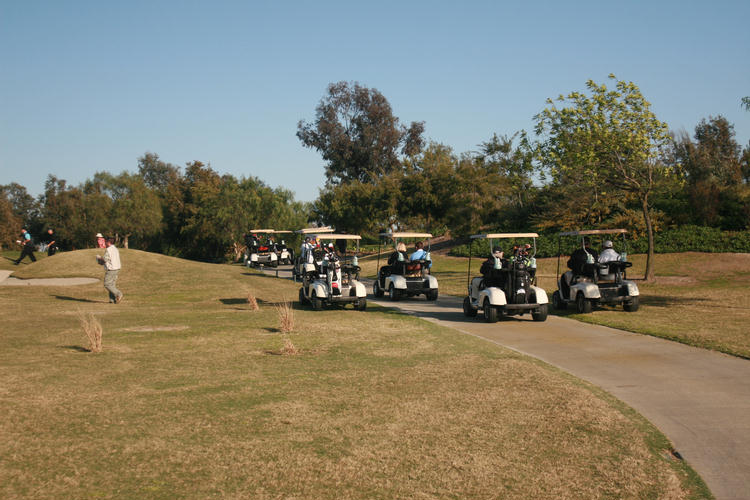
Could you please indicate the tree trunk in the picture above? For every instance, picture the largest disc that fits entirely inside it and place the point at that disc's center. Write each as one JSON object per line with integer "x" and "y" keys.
{"x": 649, "y": 275}
{"x": 125, "y": 241}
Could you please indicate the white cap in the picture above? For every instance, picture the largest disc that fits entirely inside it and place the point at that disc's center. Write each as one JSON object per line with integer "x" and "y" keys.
{"x": 99, "y": 235}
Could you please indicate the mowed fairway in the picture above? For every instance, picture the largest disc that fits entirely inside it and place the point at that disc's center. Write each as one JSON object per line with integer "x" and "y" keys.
{"x": 193, "y": 398}
{"x": 700, "y": 299}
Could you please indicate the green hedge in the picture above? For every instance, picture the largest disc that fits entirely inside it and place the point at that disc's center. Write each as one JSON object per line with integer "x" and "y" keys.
{"x": 681, "y": 239}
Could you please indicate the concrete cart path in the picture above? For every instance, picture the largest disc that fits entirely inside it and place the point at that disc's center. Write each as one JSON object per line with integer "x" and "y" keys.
{"x": 698, "y": 398}
{"x": 6, "y": 280}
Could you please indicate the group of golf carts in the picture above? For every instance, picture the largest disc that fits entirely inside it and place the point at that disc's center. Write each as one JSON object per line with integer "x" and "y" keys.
{"x": 330, "y": 273}
{"x": 507, "y": 286}
{"x": 261, "y": 249}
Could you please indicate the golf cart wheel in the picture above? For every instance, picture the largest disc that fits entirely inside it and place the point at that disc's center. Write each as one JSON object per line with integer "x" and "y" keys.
{"x": 541, "y": 315}
{"x": 490, "y": 311}
{"x": 393, "y": 294}
{"x": 317, "y": 304}
{"x": 631, "y": 306}
{"x": 302, "y": 299}
{"x": 376, "y": 290}
{"x": 583, "y": 305}
{"x": 469, "y": 311}
{"x": 432, "y": 295}
{"x": 557, "y": 301}
{"x": 361, "y": 304}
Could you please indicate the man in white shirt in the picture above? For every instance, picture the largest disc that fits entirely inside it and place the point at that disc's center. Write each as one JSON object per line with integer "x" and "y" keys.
{"x": 608, "y": 253}
{"x": 111, "y": 262}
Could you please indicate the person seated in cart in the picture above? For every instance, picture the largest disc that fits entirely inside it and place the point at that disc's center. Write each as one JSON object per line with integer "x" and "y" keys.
{"x": 420, "y": 254}
{"x": 494, "y": 276}
{"x": 579, "y": 259}
{"x": 608, "y": 253}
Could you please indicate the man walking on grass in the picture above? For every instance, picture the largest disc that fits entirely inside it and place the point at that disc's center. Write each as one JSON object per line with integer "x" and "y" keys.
{"x": 28, "y": 247}
{"x": 111, "y": 262}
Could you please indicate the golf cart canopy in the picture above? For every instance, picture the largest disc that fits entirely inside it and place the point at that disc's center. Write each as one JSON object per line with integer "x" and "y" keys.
{"x": 504, "y": 235}
{"x": 283, "y": 232}
{"x": 406, "y": 235}
{"x": 333, "y": 236}
{"x": 315, "y": 230}
{"x": 593, "y": 231}
{"x": 265, "y": 231}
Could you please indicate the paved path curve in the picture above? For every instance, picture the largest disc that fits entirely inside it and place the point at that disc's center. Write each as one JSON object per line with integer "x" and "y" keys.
{"x": 698, "y": 398}
{"x": 6, "y": 280}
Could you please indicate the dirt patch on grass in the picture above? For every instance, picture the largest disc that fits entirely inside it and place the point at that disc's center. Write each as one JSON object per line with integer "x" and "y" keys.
{"x": 675, "y": 280}
{"x": 174, "y": 328}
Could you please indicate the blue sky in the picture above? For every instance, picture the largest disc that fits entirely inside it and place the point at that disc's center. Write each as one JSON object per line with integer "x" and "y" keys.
{"x": 89, "y": 86}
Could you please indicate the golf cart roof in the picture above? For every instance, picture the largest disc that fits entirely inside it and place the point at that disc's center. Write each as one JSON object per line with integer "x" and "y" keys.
{"x": 504, "y": 235}
{"x": 593, "y": 231}
{"x": 315, "y": 230}
{"x": 333, "y": 236}
{"x": 283, "y": 232}
{"x": 262, "y": 231}
{"x": 406, "y": 235}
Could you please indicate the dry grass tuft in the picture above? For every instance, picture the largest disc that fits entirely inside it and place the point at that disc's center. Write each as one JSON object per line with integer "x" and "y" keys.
{"x": 289, "y": 348}
{"x": 93, "y": 330}
{"x": 286, "y": 316}
{"x": 252, "y": 301}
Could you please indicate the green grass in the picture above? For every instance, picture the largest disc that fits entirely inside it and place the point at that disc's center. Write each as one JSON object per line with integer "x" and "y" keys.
{"x": 191, "y": 398}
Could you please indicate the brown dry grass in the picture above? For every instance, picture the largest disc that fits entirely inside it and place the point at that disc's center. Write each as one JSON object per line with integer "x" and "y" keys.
{"x": 286, "y": 316}
{"x": 252, "y": 301}
{"x": 388, "y": 407}
{"x": 289, "y": 348}
{"x": 92, "y": 328}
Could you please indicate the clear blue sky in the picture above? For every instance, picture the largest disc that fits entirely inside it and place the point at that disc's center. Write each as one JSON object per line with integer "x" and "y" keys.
{"x": 89, "y": 86}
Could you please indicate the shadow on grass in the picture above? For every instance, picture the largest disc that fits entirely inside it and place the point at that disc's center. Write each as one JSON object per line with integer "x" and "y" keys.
{"x": 263, "y": 303}
{"x": 75, "y": 348}
{"x": 76, "y": 299}
{"x": 669, "y": 300}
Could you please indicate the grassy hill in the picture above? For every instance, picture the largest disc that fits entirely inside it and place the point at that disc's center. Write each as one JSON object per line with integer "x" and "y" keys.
{"x": 192, "y": 397}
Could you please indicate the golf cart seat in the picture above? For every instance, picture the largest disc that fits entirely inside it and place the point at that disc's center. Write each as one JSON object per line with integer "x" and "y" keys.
{"x": 412, "y": 269}
{"x": 612, "y": 271}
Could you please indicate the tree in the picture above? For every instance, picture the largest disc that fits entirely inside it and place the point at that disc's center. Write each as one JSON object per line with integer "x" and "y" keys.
{"x": 746, "y": 102}
{"x": 10, "y": 224}
{"x": 357, "y": 135}
{"x": 610, "y": 137}
{"x": 712, "y": 166}
{"x": 135, "y": 210}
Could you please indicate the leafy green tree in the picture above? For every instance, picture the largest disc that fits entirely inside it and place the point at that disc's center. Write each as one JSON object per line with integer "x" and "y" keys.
{"x": 135, "y": 209}
{"x": 427, "y": 188}
{"x": 612, "y": 138}
{"x": 477, "y": 201}
{"x": 10, "y": 223}
{"x": 712, "y": 166}
{"x": 746, "y": 102}
{"x": 357, "y": 134}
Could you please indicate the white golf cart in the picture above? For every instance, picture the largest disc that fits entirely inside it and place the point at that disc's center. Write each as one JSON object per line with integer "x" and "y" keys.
{"x": 589, "y": 282}
{"x": 312, "y": 234}
{"x": 284, "y": 254}
{"x": 261, "y": 253}
{"x": 405, "y": 277}
{"x": 508, "y": 285}
{"x": 332, "y": 279}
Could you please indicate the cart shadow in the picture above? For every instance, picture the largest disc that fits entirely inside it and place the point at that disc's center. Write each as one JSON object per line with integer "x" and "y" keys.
{"x": 77, "y": 299}
{"x": 264, "y": 303}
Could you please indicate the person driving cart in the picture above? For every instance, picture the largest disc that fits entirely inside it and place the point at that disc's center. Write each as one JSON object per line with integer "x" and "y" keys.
{"x": 491, "y": 269}
{"x": 579, "y": 261}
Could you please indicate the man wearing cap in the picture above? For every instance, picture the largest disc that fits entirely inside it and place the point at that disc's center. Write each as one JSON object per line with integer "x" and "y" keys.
{"x": 608, "y": 253}
{"x": 492, "y": 278}
{"x": 580, "y": 258}
{"x": 111, "y": 262}
{"x": 27, "y": 247}
{"x": 100, "y": 243}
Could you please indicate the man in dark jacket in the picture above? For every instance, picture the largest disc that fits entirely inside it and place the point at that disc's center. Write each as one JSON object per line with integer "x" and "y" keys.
{"x": 580, "y": 258}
